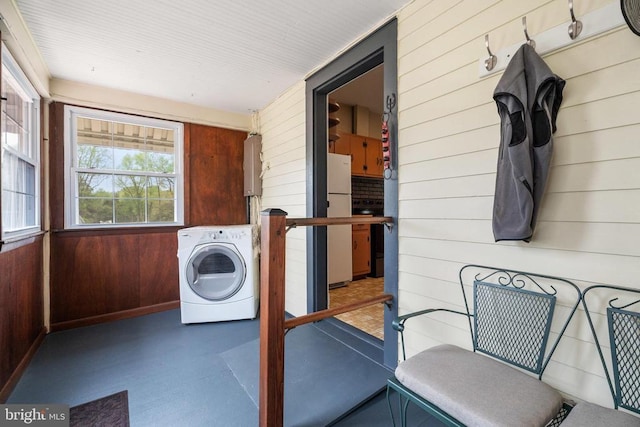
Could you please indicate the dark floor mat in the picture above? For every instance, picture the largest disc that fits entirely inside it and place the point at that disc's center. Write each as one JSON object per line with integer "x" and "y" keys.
{"x": 111, "y": 411}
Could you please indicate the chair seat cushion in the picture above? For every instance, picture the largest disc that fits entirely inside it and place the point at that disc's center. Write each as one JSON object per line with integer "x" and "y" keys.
{"x": 478, "y": 390}
{"x": 589, "y": 414}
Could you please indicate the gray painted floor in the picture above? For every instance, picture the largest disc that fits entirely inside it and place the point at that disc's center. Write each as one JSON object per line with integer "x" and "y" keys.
{"x": 204, "y": 374}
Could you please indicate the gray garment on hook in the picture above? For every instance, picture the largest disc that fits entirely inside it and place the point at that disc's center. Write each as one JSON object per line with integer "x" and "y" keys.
{"x": 528, "y": 97}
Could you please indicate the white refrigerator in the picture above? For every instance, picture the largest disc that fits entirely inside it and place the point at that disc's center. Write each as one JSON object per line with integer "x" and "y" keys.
{"x": 339, "y": 250}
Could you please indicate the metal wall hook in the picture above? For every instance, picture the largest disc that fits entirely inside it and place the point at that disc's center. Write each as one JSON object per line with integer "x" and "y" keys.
{"x": 530, "y": 41}
{"x": 490, "y": 62}
{"x": 575, "y": 28}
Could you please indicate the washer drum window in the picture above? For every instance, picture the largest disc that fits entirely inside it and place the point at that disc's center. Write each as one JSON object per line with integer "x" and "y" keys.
{"x": 216, "y": 272}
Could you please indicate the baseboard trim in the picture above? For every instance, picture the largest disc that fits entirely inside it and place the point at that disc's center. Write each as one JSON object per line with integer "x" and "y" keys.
{"x": 118, "y": 315}
{"x": 8, "y": 387}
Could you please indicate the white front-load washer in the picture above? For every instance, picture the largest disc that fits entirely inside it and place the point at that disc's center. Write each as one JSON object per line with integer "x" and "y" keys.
{"x": 218, "y": 267}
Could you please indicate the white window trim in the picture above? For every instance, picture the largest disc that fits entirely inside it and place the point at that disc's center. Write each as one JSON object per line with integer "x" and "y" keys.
{"x": 28, "y": 91}
{"x": 70, "y": 208}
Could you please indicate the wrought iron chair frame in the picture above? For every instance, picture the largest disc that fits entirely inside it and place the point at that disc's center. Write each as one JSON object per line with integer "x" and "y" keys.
{"x": 615, "y": 383}
{"x": 506, "y": 278}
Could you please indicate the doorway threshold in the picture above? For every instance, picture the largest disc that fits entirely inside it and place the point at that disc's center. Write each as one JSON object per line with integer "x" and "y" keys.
{"x": 365, "y": 344}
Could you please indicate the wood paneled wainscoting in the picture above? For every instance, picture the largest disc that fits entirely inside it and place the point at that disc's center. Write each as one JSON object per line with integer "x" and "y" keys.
{"x": 21, "y": 314}
{"x": 105, "y": 274}
{"x": 101, "y": 275}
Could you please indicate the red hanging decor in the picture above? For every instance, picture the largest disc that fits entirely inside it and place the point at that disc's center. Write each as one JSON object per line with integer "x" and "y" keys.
{"x": 386, "y": 142}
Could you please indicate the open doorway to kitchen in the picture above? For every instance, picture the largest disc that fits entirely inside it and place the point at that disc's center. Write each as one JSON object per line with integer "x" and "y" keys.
{"x": 375, "y": 55}
{"x": 355, "y": 111}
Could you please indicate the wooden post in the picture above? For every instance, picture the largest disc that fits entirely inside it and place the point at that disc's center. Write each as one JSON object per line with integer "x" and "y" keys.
{"x": 272, "y": 276}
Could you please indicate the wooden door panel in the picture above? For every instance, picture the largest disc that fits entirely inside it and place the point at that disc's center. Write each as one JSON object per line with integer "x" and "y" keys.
{"x": 358, "y": 155}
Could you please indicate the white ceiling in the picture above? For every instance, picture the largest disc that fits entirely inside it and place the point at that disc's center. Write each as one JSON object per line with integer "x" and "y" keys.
{"x": 233, "y": 55}
{"x": 366, "y": 90}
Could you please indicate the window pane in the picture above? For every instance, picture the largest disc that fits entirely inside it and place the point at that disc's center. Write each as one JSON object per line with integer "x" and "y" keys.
{"x": 129, "y": 135}
{"x": 95, "y": 185}
{"x": 160, "y": 140}
{"x": 161, "y": 210}
{"x": 95, "y": 204}
{"x": 7, "y": 209}
{"x": 95, "y": 157}
{"x": 13, "y": 135}
{"x": 95, "y": 210}
{"x": 130, "y": 211}
{"x": 25, "y": 180}
{"x": 16, "y": 121}
{"x": 161, "y": 162}
{"x": 130, "y": 186}
{"x": 18, "y": 192}
{"x": 18, "y": 210}
{"x": 129, "y": 147}
{"x": 95, "y": 144}
{"x": 130, "y": 163}
{"x": 94, "y": 132}
{"x": 19, "y": 151}
{"x": 161, "y": 188}
{"x": 130, "y": 160}
{"x": 9, "y": 170}
{"x": 16, "y": 107}
{"x": 30, "y": 210}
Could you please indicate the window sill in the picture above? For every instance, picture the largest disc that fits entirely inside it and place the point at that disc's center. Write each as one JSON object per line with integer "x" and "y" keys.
{"x": 16, "y": 242}
{"x": 103, "y": 231}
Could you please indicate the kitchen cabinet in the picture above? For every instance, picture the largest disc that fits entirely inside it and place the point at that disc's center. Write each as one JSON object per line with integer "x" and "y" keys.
{"x": 341, "y": 145}
{"x": 366, "y": 156}
{"x": 361, "y": 256}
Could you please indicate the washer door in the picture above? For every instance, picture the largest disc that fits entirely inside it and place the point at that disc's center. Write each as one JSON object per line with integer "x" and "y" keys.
{"x": 216, "y": 271}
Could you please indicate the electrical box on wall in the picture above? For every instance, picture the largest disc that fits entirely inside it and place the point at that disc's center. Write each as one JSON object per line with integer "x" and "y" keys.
{"x": 252, "y": 166}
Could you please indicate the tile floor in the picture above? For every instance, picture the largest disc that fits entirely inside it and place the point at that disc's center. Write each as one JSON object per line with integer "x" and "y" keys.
{"x": 369, "y": 319}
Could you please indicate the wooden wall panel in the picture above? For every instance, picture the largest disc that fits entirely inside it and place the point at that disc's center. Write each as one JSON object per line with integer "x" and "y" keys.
{"x": 20, "y": 305}
{"x": 92, "y": 275}
{"x": 158, "y": 275}
{"x": 102, "y": 272}
{"x": 56, "y": 165}
{"x": 216, "y": 176}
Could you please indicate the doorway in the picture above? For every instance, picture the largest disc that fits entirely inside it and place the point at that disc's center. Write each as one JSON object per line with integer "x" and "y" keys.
{"x": 354, "y": 134}
{"x": 377, "y": 50}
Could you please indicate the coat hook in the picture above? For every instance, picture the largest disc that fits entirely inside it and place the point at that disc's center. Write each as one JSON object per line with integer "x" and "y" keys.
{"x": 530, "y": 41}
{"x": 575, "y": 28}
{"x": 490, "y": 62}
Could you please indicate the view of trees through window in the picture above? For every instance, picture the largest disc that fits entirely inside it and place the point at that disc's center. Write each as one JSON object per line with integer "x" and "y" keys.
{"x": 124, "y": 173}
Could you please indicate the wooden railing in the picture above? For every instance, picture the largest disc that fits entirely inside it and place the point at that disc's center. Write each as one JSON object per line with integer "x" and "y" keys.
{"x": 274, "y": 226}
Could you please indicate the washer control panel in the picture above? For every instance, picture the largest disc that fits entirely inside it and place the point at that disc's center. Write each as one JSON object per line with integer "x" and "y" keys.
{"x": 226, "y": 235}
{"x": 222, "y": 234}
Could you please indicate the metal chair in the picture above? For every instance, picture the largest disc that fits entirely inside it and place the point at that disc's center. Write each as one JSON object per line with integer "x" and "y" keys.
{"x": 623, "y": 372}
{"x": 511, "y": 322}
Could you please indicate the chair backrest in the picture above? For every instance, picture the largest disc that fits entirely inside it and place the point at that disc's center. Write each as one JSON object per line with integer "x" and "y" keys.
{"x": 512, "y": 324}
{"x": 513, "y": 313}
{"x": 624, "y": 340}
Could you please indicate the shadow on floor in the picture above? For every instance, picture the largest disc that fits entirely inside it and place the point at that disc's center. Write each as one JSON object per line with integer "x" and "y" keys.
{"x": 375, "y": 413}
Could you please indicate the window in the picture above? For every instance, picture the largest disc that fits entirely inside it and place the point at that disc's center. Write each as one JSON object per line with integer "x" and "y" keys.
{"x": 122, "y": 170}
{"x": 20, "y": 152}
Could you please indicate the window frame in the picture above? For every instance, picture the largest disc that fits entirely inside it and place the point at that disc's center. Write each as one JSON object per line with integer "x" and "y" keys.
{"x": 71, "y": 214}
{"x": 27, "y": 90}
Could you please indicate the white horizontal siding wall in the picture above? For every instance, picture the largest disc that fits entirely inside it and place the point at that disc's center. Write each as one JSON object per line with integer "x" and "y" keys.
{"x": 282, "y": 125}
{"x": 589, "y": 223}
